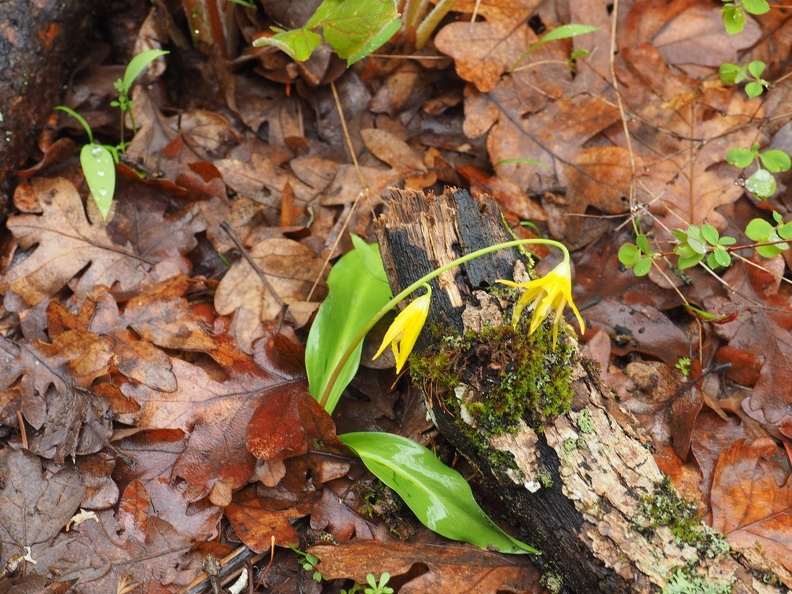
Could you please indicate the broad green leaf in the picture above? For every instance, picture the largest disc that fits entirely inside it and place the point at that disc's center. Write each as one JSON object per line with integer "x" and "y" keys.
{"x": 358, "y": 290}
{"x": 758, "y": 230}
{"x": 719, "y": 257}
{"x": 775, "y": 160}
{"x": 761, "y": 231}
{"x": 754, "y": 89}
{"x": 438, "y": 495}
{"x": 643, "y": 244}
{"x": 629, "y": 255}
{"x": 756, "y": 67}
{"x": 99, "y": 170}
{"x": 728, "y": 73}
{"x": 689, "y": 261}
{"x": 762, "y": 184}
{"x": 562, "y": 32}
{"x": 733, "y": 19}
{"x": 355, "y": 28}
{"x": 299, "y": 44}
{"x": 756, "y": 6}
{"x": 740, "y": 157}
{"x": 710, "y": 234}
{"x": 137, "y": 65}
{"x": 643, "y": 267}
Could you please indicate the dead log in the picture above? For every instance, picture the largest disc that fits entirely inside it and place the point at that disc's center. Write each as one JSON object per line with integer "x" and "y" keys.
{"x": 568, "y": 467}
{"x": 38, "y": 47}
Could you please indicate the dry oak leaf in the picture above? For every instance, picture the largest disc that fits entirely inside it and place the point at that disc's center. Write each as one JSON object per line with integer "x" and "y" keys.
{"x": 67, "y": 243}
{"x": 451, "y": 568}
{"x": 483, "y": 51}
{"x": 159, "y": 559}
{"x": 763, "y": 333}
{"x": 291, "y": 269}
{"x": 751, "y": 500}
{"x": 216, "y": 413}
{"x": 34, "y": 507}
{"x": 49, "y": 383}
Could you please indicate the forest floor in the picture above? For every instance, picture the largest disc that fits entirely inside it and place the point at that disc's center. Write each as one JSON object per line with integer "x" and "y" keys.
{"x": 143, "y": 362}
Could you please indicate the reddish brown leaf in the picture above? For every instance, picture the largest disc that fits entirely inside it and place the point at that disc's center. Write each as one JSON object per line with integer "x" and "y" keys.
{"x": 451, "y": 568}
{"x": 256, "y": 522}
{"x": 752, "y": 499}
{"x": 133, "y": 512}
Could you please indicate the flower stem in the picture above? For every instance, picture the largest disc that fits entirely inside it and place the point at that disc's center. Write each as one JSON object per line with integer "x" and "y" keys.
{"x": 417, "y": 284}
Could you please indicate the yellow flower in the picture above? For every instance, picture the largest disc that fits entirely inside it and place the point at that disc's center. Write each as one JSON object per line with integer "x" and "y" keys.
{"x": 404, "y": 330}
{"x": 543, "y": 295}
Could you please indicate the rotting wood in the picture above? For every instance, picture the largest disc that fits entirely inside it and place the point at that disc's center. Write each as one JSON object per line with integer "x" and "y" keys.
{"x": 583, "y": 479}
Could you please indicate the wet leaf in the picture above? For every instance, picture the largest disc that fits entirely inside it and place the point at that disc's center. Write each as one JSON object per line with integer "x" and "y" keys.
{"x": 437, "y": 494}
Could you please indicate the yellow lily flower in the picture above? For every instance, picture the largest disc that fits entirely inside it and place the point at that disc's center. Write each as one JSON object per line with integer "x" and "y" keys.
{"x": 404, "y": 330}
{"x": 552, "y": 292}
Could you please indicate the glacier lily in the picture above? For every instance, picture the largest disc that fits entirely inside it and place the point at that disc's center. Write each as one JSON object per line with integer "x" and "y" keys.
{"x": 405, "y": 329}
{"x": 545, "y": 295}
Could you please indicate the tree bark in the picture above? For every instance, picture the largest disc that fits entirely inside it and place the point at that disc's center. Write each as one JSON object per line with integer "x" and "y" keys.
{"x": 39, "y": 41}
{"x": 581, "y": 485}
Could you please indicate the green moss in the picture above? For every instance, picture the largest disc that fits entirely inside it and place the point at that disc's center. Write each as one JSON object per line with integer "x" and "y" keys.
{"x": 584, "y": 421}
{"x": 683, "y": 581}
{"x": 511, "y": 376}
{"x": 665, "y": 507}
{"x": 552, "y": 581}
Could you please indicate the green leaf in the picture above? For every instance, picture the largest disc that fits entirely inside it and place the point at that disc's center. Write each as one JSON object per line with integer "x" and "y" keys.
{"x": 358, "y": 290}
{"x": 299, "y": 44}
{"x": 629, "y": 255}
{"x": 754, "y": 89}
{"x": 733, "y": 19}
{"x": 562, "y": 32}
{"x": 643, "y": 244}
{"x": 688, "y": 261}
{"x": 643, "y": 267}
{"x": 99, "y": 170}
{"x": 756, "y": 67}
{"x": 739, "y": 157}
{"x": 761, "y": 183}
{"x": 728, "y": 73}
{"x": 136, "y": 66}
{"x": 438, "y": 495}
{"x": 710, "y": 234}
{"x": 719, "y": 257}
{"x": 775, "y": 160}
{"x": 759, "y": 230}
{"x": 356, "y": 28}
{"x": 756, "y": 6}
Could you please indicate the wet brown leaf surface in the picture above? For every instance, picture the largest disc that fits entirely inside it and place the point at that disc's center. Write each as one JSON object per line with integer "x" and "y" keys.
{"x": 146, "y": 373}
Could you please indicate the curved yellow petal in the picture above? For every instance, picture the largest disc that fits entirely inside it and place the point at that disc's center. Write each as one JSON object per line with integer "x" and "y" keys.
{"x": 405, "y": 329}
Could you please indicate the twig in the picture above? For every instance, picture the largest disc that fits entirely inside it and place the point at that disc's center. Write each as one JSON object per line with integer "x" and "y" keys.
{"x": 257, "y": 269}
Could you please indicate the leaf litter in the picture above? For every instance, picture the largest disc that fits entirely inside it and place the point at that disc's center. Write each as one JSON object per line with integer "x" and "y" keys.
{"x": 148, "y": 381}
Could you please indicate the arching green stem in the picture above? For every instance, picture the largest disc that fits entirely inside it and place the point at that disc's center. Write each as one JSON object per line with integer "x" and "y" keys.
{"x": 417, "y": 284}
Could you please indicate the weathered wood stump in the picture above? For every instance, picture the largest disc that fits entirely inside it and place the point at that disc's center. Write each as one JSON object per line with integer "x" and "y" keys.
{"x": 567, "y": 466}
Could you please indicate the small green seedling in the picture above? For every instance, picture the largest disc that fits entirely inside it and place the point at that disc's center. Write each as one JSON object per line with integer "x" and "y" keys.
{"x": 124, "y": 85}
{"x": 308, "y": 562}
{"x": 697, "y": 242}
{"x": 98, "y": 161}
{"x": 761, "y": 183}
{"x": 734, "y": 74}
{"x": 761, "y": 231}
{"x": 98, "y": 165}
{"x": 683, "y": 365}
{"x": 562, "y": 32}
{"x": 639, "y": 256}
{"x": 373, "y": 587}
{"x": 733, "y": 11}
{"x": 353, "y": 28}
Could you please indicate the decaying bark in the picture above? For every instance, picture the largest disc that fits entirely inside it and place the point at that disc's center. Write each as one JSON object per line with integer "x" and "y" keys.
{"x": 38, "y": 46}
{"x": 584, "y": 477}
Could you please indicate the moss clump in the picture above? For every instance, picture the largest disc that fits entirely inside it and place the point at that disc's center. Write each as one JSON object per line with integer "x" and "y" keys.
{"x": 510, "y": 376}
{"x": 683, "y": 581}
{"x": 665, "y": 507}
